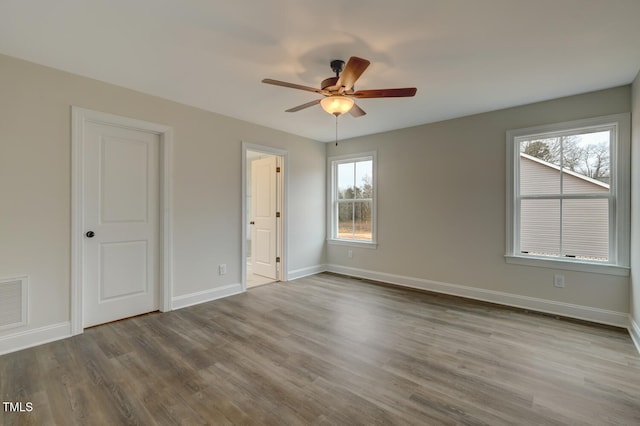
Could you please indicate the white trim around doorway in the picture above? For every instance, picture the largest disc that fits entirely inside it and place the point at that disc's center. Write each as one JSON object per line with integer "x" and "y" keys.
{"x": 282, "y": 274}
{"x": 79, "y": 117}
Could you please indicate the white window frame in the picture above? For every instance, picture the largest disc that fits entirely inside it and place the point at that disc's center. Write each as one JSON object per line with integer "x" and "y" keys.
{"x": 332, "y": 193}
{"x": 619, "y": 200}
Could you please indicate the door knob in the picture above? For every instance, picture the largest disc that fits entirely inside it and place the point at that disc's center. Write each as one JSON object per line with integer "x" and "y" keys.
{"x": 252, "y": 223}
{"x": 90, "y": 234}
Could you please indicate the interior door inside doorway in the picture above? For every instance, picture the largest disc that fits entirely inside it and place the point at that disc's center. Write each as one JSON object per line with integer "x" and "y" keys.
{"x": 264, "y": 202}
{"x": 121, "y": 222}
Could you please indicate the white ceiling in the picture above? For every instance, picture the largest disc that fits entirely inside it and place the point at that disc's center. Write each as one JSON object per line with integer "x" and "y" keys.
{"x": 464, "y": 56}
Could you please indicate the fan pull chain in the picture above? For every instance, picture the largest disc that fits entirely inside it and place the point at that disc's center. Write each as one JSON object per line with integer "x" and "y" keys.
{"x": 336, "y": 129}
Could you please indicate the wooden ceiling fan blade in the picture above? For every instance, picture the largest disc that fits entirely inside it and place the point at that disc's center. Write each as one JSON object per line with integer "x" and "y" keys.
{"x": 292, "y": 85}
{"x": 352, "y": 72}
{"x": 356, "y": 111}
{"x": 385, "y": 93}
{"x": 303, "y": 106}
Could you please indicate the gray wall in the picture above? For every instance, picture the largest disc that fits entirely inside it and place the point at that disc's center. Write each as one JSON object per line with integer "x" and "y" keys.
{"x": 35, "y": 184}
{"x": 441, "y": 195}
{"x": 441, "y": 210}
{"x": 635, "y": 211}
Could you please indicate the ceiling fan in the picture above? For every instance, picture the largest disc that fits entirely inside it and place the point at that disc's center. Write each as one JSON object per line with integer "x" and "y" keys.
{"x": 339, "y": 92}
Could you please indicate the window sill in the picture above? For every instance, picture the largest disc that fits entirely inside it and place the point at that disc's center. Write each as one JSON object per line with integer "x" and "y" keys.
{"x": 569, "y": 265}
{"x": 353, "y": 243}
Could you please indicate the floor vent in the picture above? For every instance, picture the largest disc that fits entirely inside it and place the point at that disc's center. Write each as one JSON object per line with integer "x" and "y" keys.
{"x": 13, "y": 302}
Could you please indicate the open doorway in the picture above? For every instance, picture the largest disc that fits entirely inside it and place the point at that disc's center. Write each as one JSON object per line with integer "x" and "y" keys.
{"x": 263, "y": 215}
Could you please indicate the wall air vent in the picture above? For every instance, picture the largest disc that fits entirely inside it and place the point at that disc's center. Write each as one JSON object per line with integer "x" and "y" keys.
{"x": 13, "y": 302}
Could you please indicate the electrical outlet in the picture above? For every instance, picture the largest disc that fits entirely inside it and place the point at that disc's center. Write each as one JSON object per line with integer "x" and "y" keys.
{"x": 222, "y": 269}
{"x": 350, "y": 253}
{"x": 558, "y": 281}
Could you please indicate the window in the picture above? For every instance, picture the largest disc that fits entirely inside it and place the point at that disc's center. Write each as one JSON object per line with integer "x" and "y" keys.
{"x": 568, "y": 195}
{"x": 352, "y": 199}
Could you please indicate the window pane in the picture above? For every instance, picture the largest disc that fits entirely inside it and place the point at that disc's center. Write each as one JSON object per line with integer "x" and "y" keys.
{"x": 540, "y": 166}
{"x": 364, "y": 181}
{"x": 352, "y": 215}
{"x": 354, "y": 220}
{"x": 545, "y": 149}
{"x": 345, "y": 220}
{"x": 345, "y": 176}
{"x": 585, "y": 229}
{"x": 540, "y": 227}
{"x": 586, "y": 161}
{"x": 362, "y": 221}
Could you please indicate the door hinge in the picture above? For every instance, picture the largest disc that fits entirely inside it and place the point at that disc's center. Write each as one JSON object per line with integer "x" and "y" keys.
{"x": 278, "y": 259}
{"x": 278, "y": 169}
{"x": 277, "y": 214}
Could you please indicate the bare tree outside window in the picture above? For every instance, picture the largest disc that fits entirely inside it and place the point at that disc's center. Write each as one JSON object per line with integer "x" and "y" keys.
{"x": 355, "y": 200}
{"x": 587, "y": 154}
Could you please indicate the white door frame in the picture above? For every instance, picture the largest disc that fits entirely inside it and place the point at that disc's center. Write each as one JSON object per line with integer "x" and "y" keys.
{"x": 79, "y": 117}
{"x": 282, "y": 274}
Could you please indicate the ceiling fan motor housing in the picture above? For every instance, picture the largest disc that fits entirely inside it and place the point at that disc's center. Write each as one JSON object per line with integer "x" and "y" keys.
{"x": 337, "y": 66}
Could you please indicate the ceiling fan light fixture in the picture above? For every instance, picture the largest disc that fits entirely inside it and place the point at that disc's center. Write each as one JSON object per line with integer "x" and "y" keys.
{"x": 336, "y": 105}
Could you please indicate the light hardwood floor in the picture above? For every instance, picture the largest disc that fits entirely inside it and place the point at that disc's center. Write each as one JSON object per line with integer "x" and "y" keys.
{"x": 330, "y": 350}
{"x": 255, "y": 280}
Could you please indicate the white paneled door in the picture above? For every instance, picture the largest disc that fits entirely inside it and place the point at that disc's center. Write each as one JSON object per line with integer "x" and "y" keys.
{"x": 121, "y": 223}
{"x": 263, "y": 216}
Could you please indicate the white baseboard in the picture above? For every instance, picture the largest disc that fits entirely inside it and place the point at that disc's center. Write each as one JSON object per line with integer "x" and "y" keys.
{"x": 37, "y": 336}
{"x": 602, "y": 316}
{"x": 634, "y": 331}
{"x": 305, "y": 272}
{"x": 205, "y": 296}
